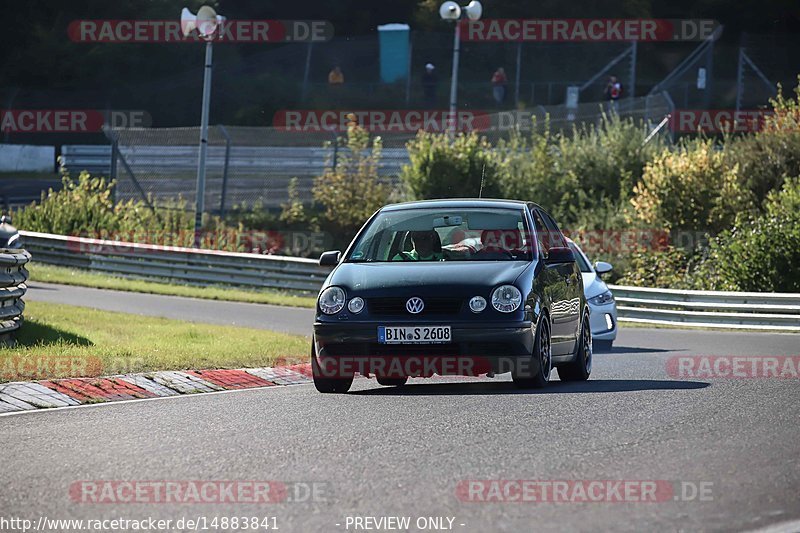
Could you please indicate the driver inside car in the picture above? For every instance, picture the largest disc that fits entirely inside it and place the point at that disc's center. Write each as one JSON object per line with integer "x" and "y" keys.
{"x": 500, "y": 244}
{"x": 426, "y": 247}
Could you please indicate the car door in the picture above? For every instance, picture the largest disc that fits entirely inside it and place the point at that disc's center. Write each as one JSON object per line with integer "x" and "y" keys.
{"x": 554, "y": 287}
{"x": 571, "y": 276}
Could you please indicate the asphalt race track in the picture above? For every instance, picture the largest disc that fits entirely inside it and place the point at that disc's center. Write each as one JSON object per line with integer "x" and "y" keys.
{"x": 285, "y": 319}
{"x": 380, "y": 452}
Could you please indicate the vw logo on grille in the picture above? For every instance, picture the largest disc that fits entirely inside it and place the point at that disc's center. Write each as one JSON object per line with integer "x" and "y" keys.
{"x": 415, "y": 305}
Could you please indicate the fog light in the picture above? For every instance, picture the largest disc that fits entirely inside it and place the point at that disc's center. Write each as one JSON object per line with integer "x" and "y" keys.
{"x": 477, "y": 304}
{"x": 609, "y": 321}
{"x": 356, "y": 305}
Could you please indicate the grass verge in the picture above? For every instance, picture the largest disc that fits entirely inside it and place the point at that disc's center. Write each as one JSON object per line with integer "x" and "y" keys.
{"x": 84, "y": 278}
{"x": 58, "y": 341}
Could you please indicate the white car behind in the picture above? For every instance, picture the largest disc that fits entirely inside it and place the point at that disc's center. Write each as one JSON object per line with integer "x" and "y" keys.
{"x": 602, "y": 307}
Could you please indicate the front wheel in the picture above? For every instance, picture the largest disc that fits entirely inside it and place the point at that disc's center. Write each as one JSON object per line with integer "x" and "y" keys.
{"x": 541, "y": 361}
{"x": 580, "y": 368}
{"x": 326, "y": 384}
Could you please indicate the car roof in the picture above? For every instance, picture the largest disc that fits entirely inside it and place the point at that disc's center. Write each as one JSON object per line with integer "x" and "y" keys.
{"x": 450, "y": 203}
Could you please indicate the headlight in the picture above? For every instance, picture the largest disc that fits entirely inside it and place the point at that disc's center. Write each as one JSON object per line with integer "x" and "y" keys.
{"x": 477, "y": 304}
{"x": 602, "y": 299}
{"x": 506, "y": 298}
{"x": 356, "y": 305}
{"x": 331, "y": 301}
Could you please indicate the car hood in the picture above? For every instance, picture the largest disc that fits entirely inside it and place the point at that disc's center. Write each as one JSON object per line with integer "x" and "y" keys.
{"x": 440, "y": 277}
{"x": 593, "y": 285}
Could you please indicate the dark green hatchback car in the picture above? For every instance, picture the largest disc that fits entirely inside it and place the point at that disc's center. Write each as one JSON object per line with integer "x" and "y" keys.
{"x": 464, "y": 287}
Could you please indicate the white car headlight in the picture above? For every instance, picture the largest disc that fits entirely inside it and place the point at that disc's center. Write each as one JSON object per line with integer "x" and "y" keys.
{"x": 602, "y": 299}
{"x": 506, "y": 298}
{"x": 331, "y": 301}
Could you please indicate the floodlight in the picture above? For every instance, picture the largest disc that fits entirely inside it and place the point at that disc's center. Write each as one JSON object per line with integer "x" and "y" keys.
{"x": 450, "y": 11}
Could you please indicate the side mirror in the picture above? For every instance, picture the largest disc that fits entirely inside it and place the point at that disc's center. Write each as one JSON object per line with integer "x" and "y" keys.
{"x": 558, "y": 254}
{"x": 329, "y": 258}
{"x": 601, "y": 267}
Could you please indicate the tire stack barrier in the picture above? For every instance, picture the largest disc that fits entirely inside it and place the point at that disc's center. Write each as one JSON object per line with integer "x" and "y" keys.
{"x": 13, "y": 276}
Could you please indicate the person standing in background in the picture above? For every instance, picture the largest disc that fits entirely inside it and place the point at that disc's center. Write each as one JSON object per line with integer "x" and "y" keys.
{"x": 613, "y": 93}
{"x": 336, "y": 76}
{"x": 335, "y": 84}
{"x": 429, "y": 83}
{"x": 499, "y": 82}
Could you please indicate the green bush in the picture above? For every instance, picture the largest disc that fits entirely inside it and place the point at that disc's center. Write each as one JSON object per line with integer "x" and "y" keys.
{"x": 350, "y": 192}
{"x": 760, "y": 253}
{"x": 690, "y": 188}
{"x": 80, "y": 206}
{"x": 668, "y": 268}
{"x": 767, "y": 157}
{"x": 531, "y": 170}
{"x": 570, "y": 173}
{"x": 86, "y": 207}
{"x": 608, "y": 159}
{"x": 441, "y": 167}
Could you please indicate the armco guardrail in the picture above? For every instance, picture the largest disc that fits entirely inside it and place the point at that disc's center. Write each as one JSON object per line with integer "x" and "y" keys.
{"x": 12, "y": 288}
{"x": 737, "y": 310}
{"x": 733, "y": 310}
{"x": 184, "y": 265}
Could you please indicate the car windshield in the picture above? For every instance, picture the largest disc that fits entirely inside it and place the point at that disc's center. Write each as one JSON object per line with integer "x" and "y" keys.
{"x": 582, "y": 263}
{"x": 435, "y": 234}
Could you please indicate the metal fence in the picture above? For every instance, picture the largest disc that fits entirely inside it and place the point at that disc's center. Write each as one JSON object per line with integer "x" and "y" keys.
{"x": 13, "y": 276}
{"x": 254, "y": 166}
{"x": 718, "y": 309}
{"x": 733, "y": 310}
{"x": 162, "y": 165}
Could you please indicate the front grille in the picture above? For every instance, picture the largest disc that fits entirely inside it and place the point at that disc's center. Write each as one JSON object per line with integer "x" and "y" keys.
{"x": 397, "y": 306}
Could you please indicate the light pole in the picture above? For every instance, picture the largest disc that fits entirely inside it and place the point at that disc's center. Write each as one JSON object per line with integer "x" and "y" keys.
{"x": 206, "y": 23}
{"x": 452, "y": 11}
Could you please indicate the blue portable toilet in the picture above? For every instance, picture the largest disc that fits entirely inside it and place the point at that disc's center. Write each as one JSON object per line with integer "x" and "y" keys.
{"x": 395, "y": 51}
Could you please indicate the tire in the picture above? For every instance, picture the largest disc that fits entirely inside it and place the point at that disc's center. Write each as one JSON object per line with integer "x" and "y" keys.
{"x": 541, "y": 360}
{"x": 581, "y": 367}
{"x": 324, "y": 384}
{"x": 602, "y": 346}
{"x": 392, "y": 382}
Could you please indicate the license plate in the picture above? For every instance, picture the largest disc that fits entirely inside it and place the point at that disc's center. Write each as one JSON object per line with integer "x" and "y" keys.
{"x": 414, "y": 334}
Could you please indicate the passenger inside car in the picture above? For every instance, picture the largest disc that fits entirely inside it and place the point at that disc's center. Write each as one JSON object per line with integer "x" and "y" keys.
{"x": 427, "y": 246}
